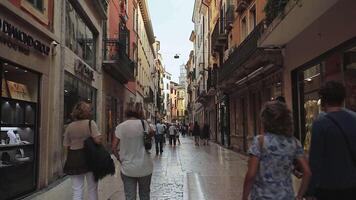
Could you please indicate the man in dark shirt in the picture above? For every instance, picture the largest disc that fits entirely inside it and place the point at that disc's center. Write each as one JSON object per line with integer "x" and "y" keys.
{"x": 333, "y": 147}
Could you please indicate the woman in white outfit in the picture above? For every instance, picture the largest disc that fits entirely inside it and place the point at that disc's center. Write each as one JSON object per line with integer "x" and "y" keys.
{"x": 75, "y": 135}
{"x": 136, "y": 162}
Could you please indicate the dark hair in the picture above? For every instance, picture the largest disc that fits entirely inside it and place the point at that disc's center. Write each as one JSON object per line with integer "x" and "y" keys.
{"x": 277, "y": 118}
{"x": 281, "y": 99}
{"x": 134, "y": 110}
{"x": 332, "y": 93}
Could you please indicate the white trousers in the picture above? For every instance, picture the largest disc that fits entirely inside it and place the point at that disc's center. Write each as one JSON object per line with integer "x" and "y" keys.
{"x": 78, "y": 186}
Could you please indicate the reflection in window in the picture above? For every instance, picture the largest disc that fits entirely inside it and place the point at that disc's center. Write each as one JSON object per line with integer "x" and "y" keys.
{"x": 37, "y": 4}
{"x": 79, "y": 38}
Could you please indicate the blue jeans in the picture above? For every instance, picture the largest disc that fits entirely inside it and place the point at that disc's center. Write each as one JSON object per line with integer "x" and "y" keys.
{"x": 130, "y": 187}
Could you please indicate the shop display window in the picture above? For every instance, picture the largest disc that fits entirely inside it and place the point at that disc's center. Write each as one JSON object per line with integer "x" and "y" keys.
{"x": 76, "y": 90}
{"x": 339, "y": 66}
{"x": 18, "y": 130}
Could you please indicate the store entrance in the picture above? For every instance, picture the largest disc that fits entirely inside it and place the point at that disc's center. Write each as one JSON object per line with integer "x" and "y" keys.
{"x": 19, "y": 130}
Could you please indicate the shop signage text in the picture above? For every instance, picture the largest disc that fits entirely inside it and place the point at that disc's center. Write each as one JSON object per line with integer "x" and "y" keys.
{"x": 18, "y": 40}
{"x": 83, "y": 71}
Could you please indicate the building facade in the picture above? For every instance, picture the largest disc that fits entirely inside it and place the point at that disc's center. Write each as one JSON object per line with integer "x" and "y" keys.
{"x": 119, "y": 65}
{"x": 29, "y": 61}
{"x": 167, "y": 78}
{"x": 258, "y": 47}
{"x": 330, "y": 55}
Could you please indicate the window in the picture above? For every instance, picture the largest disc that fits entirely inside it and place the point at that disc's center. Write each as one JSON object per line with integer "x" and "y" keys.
{"x": 243, "y": 28}
{"x": 135, "y": 19}
{"x": 37, "y": 4}
{"x": 79, "y": 38}
{"x": 253, "y": 21}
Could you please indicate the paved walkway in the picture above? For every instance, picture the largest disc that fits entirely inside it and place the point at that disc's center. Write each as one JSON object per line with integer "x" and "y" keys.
{"x": 181, "y": 173}
{"x": 196, "y": 172}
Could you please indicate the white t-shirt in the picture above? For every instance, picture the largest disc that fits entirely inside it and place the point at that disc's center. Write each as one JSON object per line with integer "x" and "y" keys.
{"x": 172, "y": 130}
{"x": 160, "y": 128}
{"x": 135, "y": 161}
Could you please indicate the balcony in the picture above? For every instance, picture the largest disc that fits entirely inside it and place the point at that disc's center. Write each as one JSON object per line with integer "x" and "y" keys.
{"x": 241, "y": 54}
{"x": 219, "y": 36}
{"x": 287, "y": 19}
{"x": 116, "y": 62}
{"x": 212, "y": 81}
{"x": 149, "y": 97}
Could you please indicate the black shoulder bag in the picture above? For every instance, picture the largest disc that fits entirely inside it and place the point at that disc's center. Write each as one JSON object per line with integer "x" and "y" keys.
{"x": 98, "y": 159}
{"x": 147, "y": 139}
{"x": 352, "y": 156}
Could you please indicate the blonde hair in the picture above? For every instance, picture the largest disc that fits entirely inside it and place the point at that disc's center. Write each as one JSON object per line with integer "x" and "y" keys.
{"x": 80, "y": 111}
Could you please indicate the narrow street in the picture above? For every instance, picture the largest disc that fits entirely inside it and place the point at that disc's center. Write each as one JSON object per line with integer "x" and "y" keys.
{"x": 191, "y": 172}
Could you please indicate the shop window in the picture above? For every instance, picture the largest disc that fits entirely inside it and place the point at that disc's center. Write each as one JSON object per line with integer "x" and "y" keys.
{"x": 18, "y": 143}
{"x": 76, "y": 90}
{"x": 79, "y": 37}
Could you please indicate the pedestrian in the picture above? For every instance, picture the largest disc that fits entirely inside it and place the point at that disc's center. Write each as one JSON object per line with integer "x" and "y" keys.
{"x": 172, "y": 134}
{"x": 76, "y": 166}
{"x": 159, "y": 135}
{"x": 196, "y": 133}
{"x": 272, "y": 155}
{"x": 205, "y": 134}
{"x": 136, "y": 162}
{"x": 333, "y": 148}
{"x": 178, "y": 132}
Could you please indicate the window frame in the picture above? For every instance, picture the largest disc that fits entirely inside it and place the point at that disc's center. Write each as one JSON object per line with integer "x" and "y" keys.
{"x": 40, "y": 14}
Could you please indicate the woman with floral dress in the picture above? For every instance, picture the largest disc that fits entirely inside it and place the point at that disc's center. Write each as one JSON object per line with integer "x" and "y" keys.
{"x": 271, "y": 158}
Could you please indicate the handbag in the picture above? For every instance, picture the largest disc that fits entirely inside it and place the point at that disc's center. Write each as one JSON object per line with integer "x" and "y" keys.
{"x": 147, "y": 139}
{"x": 348, "y": 146}
{"x": 98, "y": 159}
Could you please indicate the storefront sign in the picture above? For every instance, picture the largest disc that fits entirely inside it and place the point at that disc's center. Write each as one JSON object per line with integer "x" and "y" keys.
{"x": 83, "y": 71}
{"x": 18, "y": 91}
{"x": 16, "y": 39}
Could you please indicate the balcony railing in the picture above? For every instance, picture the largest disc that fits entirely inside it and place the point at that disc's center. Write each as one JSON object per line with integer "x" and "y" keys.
{"x": 241, "y": 54}
{"x": 274, "y": 8}
{"x": 116, "y": 61}
{"x": 149, "y": 98}
{"x": 219, "y": 35}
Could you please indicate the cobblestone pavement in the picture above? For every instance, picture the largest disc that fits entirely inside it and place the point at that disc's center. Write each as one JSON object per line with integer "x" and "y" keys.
{"x": 181, "y": 173}
{"x": 194, "y": 172}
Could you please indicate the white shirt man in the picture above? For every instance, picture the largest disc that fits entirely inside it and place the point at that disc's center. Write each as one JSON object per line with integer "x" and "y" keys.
{"x": 160, "y": 128}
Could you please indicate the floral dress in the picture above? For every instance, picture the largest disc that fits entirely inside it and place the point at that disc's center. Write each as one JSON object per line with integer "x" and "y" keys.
{"x": 273, "y": 180}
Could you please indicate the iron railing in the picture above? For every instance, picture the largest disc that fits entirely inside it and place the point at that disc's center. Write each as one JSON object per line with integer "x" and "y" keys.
{"x": 114, "y": 54}
{"x": 212, "y": 79}
{"x": 274, "y": 8}
{"x": 241, "y": 54}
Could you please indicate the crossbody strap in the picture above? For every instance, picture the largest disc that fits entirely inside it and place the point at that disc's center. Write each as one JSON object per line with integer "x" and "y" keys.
{"x": 143, "y": 125}
{"x": 345, "y": 138}
{"x": 90, "y": 126}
